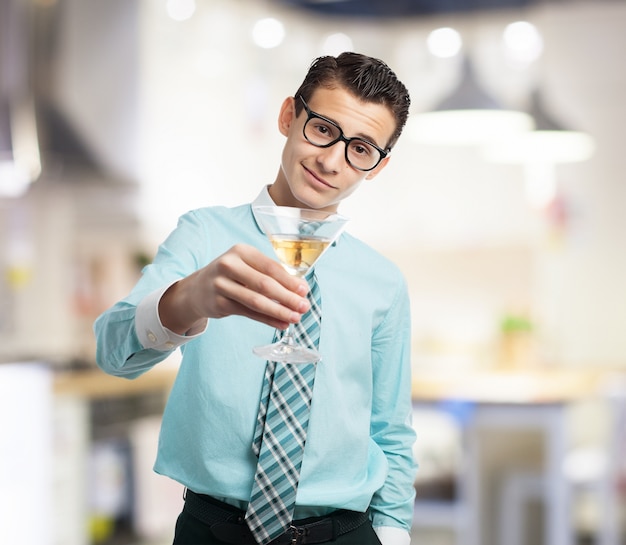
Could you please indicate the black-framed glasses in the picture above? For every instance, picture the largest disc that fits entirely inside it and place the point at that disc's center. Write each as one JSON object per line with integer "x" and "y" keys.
{"x": 323, "y": 133}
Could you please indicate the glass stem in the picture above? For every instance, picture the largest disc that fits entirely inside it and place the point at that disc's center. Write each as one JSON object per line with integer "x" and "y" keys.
{"x": 289, "y": 337}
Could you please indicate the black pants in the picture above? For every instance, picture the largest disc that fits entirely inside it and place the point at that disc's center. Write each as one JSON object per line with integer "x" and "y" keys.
{"x": 191, "y": 531}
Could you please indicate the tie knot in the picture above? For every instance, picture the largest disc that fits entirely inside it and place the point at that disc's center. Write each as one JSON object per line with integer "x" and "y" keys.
{"x": 309, "y": 228}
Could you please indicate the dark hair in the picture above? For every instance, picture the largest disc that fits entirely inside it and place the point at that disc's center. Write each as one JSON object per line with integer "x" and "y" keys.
{"x": 367, "y": 78}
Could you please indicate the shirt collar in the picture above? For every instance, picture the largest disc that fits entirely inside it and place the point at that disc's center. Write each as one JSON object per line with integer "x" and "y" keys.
{"x": 262, "y": 199}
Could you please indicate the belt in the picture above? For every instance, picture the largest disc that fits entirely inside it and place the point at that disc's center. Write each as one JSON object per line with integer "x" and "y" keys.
{"x": 227, "y": 523}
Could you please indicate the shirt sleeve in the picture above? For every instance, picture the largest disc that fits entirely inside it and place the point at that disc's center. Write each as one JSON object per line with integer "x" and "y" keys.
{"x": 391, "y": 424}
{"x": 389, "y": 535}
{"x": 130, "y": 338}
{"x": 151, "y": 332}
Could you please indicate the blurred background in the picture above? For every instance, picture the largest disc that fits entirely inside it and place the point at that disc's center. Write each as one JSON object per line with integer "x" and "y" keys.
{"x": 503, "y": 204}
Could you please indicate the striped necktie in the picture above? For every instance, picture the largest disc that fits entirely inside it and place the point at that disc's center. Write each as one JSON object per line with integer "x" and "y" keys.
{"x": 280, "y": 433}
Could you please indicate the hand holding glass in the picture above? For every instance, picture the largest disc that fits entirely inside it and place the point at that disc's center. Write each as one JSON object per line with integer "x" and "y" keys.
{"x": 299, "y": 237}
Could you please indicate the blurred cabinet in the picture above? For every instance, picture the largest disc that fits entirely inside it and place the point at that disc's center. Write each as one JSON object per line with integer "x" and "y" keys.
{"x": 71, "y": 451}
{"x": 68, "y": 249}
{"x": 106, "y": 432}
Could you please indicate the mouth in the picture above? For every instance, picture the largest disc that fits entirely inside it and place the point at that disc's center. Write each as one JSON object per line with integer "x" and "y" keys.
{"x": 316, "y": 179}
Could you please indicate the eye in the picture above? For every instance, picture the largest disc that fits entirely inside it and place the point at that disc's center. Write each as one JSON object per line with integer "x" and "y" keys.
{"x": 359, "y": 147}
{"x": 325, "y": 130}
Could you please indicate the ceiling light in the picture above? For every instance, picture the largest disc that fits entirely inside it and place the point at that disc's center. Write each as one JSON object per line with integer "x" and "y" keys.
{"x": 337, "y": 43}
{"x": 444, "y": 42}
{"x": 181, "y": 10}
{"x": 550, "y": 142}
{"x": 268, "y": 33}
{"x": 468, "y": 116}
{"x": 523, "y": 41}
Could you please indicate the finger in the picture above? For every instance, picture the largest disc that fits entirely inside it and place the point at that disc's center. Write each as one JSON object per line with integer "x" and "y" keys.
{"x": 241, "y": 299}
{"x": 256, "y": 274}
{"x": 262, "y": 318}
{"x": 260, "y": 262}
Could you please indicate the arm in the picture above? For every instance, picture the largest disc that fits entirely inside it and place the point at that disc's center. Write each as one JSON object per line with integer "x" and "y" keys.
{"x": 179, "y": 292}
{"x": 391, "y": 428}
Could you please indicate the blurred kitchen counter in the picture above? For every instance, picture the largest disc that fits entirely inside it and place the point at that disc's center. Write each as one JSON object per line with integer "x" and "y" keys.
{"x": 532, "y": 386}
{"x": 95, "y": 384}
{"x": 555, "y": 385}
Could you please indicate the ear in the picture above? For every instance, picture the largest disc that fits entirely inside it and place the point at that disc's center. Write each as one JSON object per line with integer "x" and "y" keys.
{"x": 373, "y": 173}
{"x": 286, "y": 115}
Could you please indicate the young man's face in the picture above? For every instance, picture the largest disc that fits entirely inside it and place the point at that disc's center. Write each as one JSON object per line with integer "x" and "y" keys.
{"x": 320, "y": 178}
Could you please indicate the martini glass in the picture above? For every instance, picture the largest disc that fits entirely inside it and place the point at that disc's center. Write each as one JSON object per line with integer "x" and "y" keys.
{"x": 299, "y": 237}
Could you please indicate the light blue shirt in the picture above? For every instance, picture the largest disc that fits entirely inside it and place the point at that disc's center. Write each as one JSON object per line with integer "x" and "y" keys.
{"x": 358, "y": 452}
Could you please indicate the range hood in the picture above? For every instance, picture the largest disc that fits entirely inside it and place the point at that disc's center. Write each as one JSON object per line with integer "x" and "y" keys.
{"x": 34, "y": 135}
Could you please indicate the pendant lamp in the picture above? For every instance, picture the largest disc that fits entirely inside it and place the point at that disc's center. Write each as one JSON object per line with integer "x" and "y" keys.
{"x": 550, "y": 142}
{"x": 468, "y": 116}
{"x": 540, "y": 151}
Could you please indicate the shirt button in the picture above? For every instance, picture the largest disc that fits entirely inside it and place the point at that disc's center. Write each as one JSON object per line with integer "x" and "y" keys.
{"x": 151, "y": 336}
{"x": 169, "y": 345}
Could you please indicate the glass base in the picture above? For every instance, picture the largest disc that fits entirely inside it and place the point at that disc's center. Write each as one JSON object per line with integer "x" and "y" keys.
{"x": 287, "y": 353}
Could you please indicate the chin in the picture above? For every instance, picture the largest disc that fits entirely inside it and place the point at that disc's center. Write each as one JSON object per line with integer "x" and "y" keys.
{"x": 301, "y": 199}
{"x": 309, "y": 198}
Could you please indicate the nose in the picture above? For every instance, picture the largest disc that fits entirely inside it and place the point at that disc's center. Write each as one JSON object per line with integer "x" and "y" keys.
{"x": 333, "y": 158}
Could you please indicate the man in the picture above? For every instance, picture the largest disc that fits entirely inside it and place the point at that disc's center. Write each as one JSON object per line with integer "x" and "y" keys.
{"x": 216, "y": 290}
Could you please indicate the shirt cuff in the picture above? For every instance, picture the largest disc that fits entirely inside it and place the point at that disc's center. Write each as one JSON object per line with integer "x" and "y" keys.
{"x": 390, "y": 535}
{"x": 151, "y": 332}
